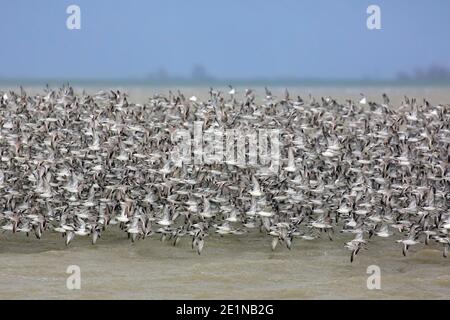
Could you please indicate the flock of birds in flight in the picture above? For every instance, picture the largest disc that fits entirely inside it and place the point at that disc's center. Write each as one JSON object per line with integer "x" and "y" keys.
{"x": 77, "y": 164}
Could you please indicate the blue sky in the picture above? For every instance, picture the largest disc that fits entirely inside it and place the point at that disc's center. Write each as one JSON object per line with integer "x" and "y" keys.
{"x": 232, "y": 39}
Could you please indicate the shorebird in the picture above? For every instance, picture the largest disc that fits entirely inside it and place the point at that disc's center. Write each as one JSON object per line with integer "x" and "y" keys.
{"x": 384, "y": 231}
{"x": 363, "y": 99}
{"x": 410, "y": 241}
{"x": 256, "y": 192}
{"x": 232, "y": 91}
{"x": 291, "y": 161}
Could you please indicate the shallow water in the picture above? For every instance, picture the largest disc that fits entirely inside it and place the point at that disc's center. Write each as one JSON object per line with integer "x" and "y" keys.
{"x": 229, "y": 268}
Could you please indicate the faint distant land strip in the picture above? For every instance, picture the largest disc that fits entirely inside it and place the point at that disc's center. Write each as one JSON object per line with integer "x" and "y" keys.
{"x": 433, "y": 74}
{"x": 199, "y": 76}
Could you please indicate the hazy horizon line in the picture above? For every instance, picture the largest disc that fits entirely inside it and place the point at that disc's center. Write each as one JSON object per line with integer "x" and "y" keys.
{"x": 189, "y": 81}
